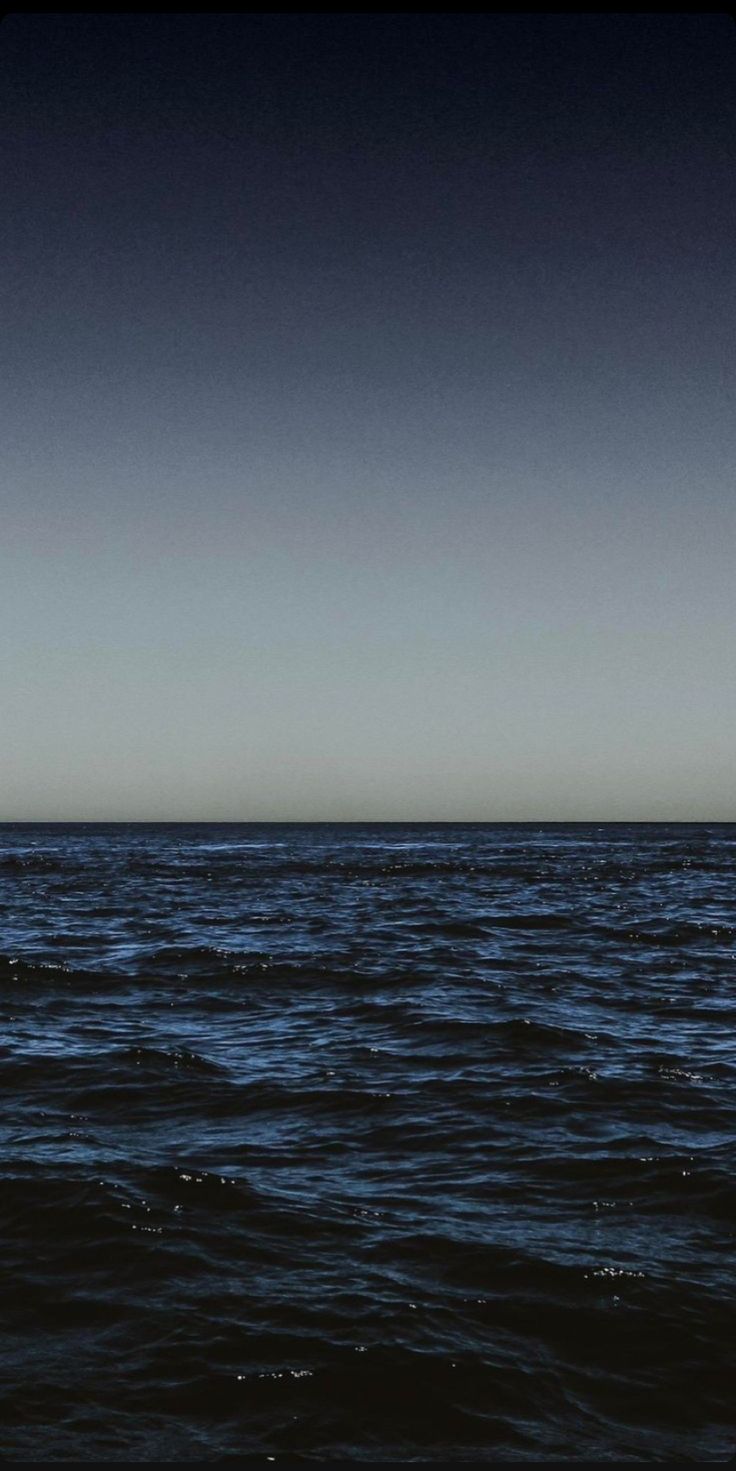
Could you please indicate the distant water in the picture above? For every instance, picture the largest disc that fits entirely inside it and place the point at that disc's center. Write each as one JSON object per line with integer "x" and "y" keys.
{"x": 368, "y": 1142}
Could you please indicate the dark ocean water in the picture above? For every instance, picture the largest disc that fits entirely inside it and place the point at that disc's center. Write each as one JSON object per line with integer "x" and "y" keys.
{"x": 368, "y": 1142}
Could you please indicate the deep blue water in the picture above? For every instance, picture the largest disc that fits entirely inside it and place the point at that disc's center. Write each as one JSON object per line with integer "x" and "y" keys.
{"x": 368, "y": 1142}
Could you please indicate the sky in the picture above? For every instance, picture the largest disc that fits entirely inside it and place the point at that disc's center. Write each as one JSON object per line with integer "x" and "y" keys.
{"x": 367, "y": 406}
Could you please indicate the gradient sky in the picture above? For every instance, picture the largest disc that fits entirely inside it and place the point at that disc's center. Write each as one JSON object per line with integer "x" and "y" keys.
{"x": 368, "y": 417}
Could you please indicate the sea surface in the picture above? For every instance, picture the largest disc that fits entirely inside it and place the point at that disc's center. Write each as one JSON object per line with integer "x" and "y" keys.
{"x": 367, "y": 1142}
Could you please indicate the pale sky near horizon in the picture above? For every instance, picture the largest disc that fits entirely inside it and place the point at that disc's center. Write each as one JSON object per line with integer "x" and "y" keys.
{"x": 368, "y": 417}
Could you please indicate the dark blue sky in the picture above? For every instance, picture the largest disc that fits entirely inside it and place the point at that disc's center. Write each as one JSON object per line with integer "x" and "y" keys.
{"x": 368, "y": 416}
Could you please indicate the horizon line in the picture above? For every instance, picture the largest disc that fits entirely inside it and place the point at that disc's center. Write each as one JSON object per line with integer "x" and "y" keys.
{"x": 367, "y": 822}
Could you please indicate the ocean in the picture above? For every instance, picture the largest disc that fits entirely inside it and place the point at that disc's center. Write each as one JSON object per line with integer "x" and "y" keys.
{"x": 368, "y": 1142}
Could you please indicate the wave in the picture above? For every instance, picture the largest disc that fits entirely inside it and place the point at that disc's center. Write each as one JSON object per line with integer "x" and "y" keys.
{"x": 349, "y": 1151}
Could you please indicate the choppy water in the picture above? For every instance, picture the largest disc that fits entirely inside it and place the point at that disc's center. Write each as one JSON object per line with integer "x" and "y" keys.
{"x": 368, "y": 1142}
